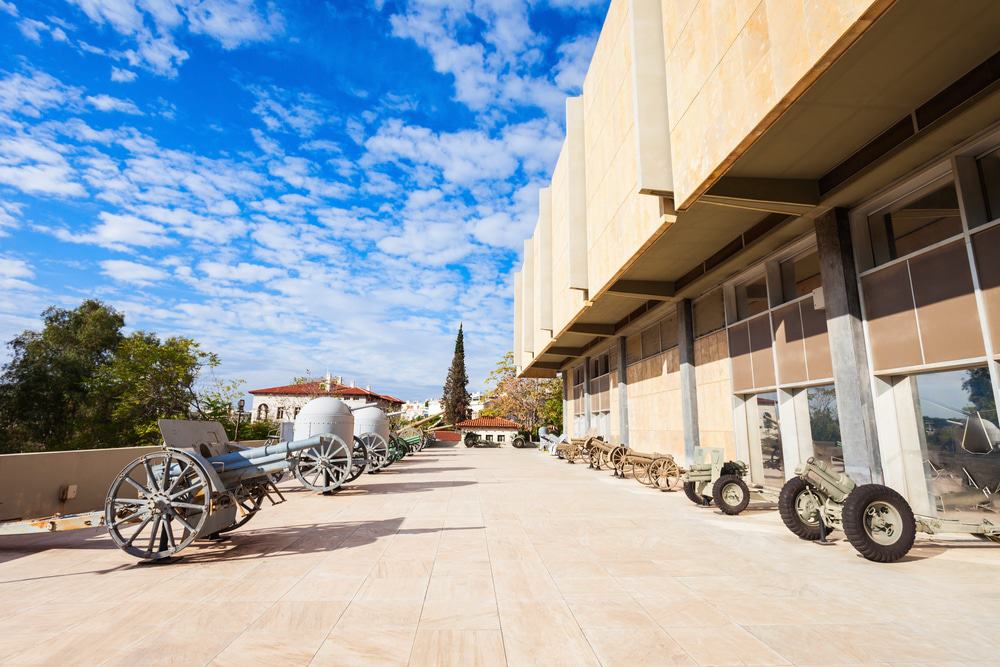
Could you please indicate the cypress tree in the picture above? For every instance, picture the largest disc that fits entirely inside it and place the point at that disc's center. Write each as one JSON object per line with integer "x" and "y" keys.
{"x": 456, "y": 394}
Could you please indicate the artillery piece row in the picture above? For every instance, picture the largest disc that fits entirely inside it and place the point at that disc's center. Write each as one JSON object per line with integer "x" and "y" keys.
{"x": 817, "y": 500}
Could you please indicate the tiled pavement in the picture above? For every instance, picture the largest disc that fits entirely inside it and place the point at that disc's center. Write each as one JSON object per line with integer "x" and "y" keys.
{"x": 490, "y": 557}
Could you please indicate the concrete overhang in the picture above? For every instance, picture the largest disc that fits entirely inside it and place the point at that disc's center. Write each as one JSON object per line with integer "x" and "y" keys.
{"x": 920, "y": 80}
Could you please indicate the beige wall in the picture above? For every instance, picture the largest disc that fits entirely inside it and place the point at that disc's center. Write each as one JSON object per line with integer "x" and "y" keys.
{"x": 654, "y": 405}
{"x": 715, "y": 392}
{"x": 518, "y": 348}
{"x": 527, "y": 302}
{"x": 569, "y": 222}
{"x": 732, "y": 66}
{"x": 624, "y": 109}
{"x": 30, "y": 483}
{"x": 541, "y": 244}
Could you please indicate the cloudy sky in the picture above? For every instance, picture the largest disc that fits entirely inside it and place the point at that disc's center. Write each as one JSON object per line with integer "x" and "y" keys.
{"x": 298, "y": 185}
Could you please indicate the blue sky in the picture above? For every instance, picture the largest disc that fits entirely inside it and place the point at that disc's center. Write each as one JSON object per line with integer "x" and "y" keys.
{"x": 298, "y": 185}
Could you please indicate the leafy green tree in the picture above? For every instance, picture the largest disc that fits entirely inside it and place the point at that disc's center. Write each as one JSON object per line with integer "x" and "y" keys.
{"x": 45, "y": 389}
{"x": 527, "y": 402}
{"x": 149, "y": 379}
{"x": 456, "y": 393}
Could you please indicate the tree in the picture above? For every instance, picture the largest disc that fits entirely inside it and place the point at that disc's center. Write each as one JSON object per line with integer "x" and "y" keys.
{"x": 46, "y": 386}
{"x": 456, "y": 393}
{"x": 528, "y": 402}
{"x": 80, "y": 383}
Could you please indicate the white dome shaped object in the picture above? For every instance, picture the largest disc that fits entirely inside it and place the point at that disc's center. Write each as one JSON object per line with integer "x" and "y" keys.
{"x": 325, "y": 415}
{"x": 371, "y": 419}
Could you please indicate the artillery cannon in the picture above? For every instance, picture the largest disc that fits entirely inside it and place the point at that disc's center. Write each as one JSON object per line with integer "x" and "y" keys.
{"x": 876, "y": 520}
{"x": 722, "y": 482}
{"x": 371, "y": 435}
{"x": 200, "y": 485}
{"x": 650, "y": 469}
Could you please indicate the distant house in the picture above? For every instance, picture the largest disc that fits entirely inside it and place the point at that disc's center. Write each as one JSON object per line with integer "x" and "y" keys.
{"x": 490, "y": 429}
{"x": 284, "y": 403}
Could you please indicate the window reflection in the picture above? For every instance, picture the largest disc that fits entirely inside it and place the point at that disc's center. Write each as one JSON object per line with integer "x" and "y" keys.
{"x": 962, "y": 442}
{"x": 909, "y": 226}
{"x": 751, "y": 298}
{"x": 800, "y": 276}
{"x": 989, "y": 173}
{"x": 824, "y": 425}
{"x": 770, "y": 440}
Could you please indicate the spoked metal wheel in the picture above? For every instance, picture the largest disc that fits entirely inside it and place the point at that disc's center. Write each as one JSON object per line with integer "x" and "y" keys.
{"x": 359, "y": 460}
{"x": 158, "y": 504}
{"x": 248, "y": 502}
{"x": 664, "y": 473}
{"x": 324, "y": 467}
{"x": 413, "y": 437}
{"x": 378, "y": 450}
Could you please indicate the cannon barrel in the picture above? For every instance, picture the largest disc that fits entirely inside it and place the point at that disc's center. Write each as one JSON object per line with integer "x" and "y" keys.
{"x": 267, "y": 453}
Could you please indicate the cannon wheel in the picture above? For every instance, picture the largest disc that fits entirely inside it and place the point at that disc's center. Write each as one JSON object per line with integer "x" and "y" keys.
{"x": 471, "y": 439}
{"x": 411, "y": 431}
{"x": 325, "y": 467}
{"x": 731, "y": 494}
{"x": 879, "y": 523}
{"x": 378, "y": 451}
{"x": 799, "y": 505}
{"x": 596, "y": 458}
{"x": 642, "y": 472}
{"x": 664, "y": 473}
{"x": 692, "y": 493}
{"x": 616, "y": 457}
{"x": 170, "y": 510}
{"x": 359, "y": 460}
{"x": 249, "y": 504}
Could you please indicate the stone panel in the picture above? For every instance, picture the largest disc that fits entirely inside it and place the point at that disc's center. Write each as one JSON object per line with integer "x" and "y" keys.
{"x": 654, "y": 404}
{"x": 715, "y": 392}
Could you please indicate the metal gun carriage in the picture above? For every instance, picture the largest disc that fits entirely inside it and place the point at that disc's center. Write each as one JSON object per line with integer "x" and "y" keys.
{"x": 722, "y": 482}
{"x": 200, "y": 485}
{"x": 876, "y": 519}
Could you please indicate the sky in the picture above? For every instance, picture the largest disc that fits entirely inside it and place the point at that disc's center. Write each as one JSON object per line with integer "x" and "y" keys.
{"x": 300, "y": 186}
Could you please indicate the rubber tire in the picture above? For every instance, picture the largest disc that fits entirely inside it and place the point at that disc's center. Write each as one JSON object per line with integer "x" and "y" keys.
{"x": 854, "y": 511}
{"x": 786, "y": 507}
{"x": 731, "y": 510}
{"x": 696, "y": 498}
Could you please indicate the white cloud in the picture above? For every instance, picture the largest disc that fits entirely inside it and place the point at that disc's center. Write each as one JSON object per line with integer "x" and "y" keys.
{"x": 108, "y": 103}
{"x": 35, "y": 167}
{"x": 300, "y": 113}
{"x": 10, "y": 214}
{"x": 152, "y": 25}
{"x": 120, "y": 232}
{"x": 8, "y": 8}
{"x": 15, "y": 274}
{"x": 132, "y": 272}
{"x": 122, "y": 75}
{"x": 33, "y": 94}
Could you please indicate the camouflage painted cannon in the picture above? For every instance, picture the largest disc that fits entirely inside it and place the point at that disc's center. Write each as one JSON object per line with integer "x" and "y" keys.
{"x": 876, "y": 519}
{"x": 200, "y": 485}
{"x": 722, "y": 482}
{"x": 650, "y": 469}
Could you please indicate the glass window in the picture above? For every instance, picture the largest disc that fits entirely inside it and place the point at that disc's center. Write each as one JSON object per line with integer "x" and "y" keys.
{"x": 913, "y": 224}
{"x": 989, "y": 172}
{"x": 751, "y": 298}
{"x": 770, "y": 440}
{"x": 709, "y": 313}
{"x": 281, "y": 413}
{"x": 800, "y": 276}
{"x": 489, "y": 438}
{"x": 961, "y": 442}
{"x": 651, "y": 341}
{"x": 668, "y": 332}
{"x": 633, "y": 351}
{"x": 500, "y": 438}
{"x": 824, "y": 425}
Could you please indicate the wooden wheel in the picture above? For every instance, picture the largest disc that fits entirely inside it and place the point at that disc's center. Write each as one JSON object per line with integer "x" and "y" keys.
{"x": 616, "y": 457}
{"x": 664, "y": 473}
{"x": 172, "y": 503}
{"x": 641, "y": 472}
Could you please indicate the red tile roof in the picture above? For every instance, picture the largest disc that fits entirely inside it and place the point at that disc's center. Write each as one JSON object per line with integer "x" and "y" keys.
{"x": 318, "y": 388}
{"x": 487, "y": 422}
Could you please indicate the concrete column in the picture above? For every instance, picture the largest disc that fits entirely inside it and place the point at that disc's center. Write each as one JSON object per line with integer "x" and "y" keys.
{"x": 689, "y": 387}
{"x": 587, "y": 376}
{"x": 567, "y": 405}
{"x": 622, "y": 393}
{"x": 847, "y": 347}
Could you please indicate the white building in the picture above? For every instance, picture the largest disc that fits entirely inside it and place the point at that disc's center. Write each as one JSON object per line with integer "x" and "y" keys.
{"x": 490, "y": 429}
{"x": 284, "y": 403}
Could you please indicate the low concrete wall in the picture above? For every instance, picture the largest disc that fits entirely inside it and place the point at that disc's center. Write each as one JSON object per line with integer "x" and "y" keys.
{"x": 30, "y": 484}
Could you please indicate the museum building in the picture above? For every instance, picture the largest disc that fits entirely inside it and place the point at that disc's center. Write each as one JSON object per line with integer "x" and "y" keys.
{"x": 774, "y": 228}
